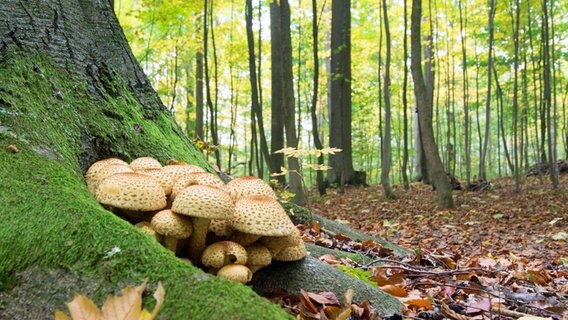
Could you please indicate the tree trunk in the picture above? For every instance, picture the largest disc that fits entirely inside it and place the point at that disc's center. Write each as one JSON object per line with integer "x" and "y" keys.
{"x": 405, "y": 102}
{"x": 424, "y": 104}
{"x": 69, "y": 62}
{"x": 341, "y": 164}
{"x": 482, "y": 169}
{"x": 465, "y": 88}
{"x": 386, "y": 142}
{"x": 277, "y": 124}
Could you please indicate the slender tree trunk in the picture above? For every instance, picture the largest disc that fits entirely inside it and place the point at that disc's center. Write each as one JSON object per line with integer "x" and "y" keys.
{"x": 465, "y": 88}
{"x": 189, "y": 100}
{"x": 424, "y": 103}
{"x": 515, "y": 24}
{"x": 315, "y": 89}
{"x": 501, "y": 116}
{"x": 482, "y": 171}
{"x": 277, "y": 109}
{"x": 386, "y": 142}
{"x": 405, "y": 102}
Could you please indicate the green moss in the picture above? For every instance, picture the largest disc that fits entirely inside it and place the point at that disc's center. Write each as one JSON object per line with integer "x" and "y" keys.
{"x": 49, "y": 220}
{"x": 360, "y": 274}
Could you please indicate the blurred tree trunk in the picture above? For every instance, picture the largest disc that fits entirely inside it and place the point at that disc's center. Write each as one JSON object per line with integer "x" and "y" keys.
{"x": 277, "y": 125}
{"x": 482, "y": 169}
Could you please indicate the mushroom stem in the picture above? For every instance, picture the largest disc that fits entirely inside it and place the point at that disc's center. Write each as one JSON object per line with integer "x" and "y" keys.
{"x": 170, "y": 243}
{"x": 197, "y": 238}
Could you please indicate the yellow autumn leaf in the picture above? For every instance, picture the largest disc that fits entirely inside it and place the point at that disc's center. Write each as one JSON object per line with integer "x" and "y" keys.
{"x": 59, "y": 315}
{"x": 83, "y": 308}
{"x": 125, "y": 307}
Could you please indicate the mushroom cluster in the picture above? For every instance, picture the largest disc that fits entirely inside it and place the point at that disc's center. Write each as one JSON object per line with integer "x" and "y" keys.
{"x": 231, "y": 230}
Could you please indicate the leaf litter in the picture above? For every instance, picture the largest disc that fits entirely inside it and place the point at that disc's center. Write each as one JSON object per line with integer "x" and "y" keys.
{"x": 497, "y": 255}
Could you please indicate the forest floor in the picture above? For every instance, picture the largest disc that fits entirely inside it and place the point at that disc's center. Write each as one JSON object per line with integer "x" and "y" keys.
{"x": 497, "y": 255}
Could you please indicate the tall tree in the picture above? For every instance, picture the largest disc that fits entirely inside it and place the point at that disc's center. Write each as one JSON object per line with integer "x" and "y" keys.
{"x": 405, "y": 101}
{"x": 386, "y": 141}
{"x": 465, "y": 88}
{"x": 340, "y": 96}
{"x": 315, "y": 90}
{"x": 424, "y": 106}
{"x": 277, "y": 108}
{"x": 516, "y": 17}
{"x": 482, "y": 169}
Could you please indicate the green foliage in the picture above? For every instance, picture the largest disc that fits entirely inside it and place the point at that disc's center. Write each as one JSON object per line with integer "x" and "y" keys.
{"x": 360, "y": 274}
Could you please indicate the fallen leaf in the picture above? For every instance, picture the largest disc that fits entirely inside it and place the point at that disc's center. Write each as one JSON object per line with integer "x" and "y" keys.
{"x": 12, "y": 148}
{"x": 394, "y": 290}
{"x": 325, "y": 297}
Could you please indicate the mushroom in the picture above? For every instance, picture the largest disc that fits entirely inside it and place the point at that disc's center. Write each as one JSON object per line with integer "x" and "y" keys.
{"x": 166, "y": 179}
{"x": 202, "y": 178}
{"x": 96, "y": 166}
{"x": 221, "y": 228}
{"x": 275, "y": 244}
{"x": 95, "y": 177}
{"x": 261, "y": 215}
{"x": 222, "y": 253}
{"x": 235, "y": 272}
{"x": 243, "y": 238}
{"x": 131, "y": 191}
{"x": 145, "y": 227}
{"x": 179, "y": 170}
{"x": 203, "y": 203}
{"x": 294, "y": 253}
{"x": 145, "y": 163}
{"x": 248, "y": 185}
{"x": 172, "y": 227}
{"x": 258, "y": 257}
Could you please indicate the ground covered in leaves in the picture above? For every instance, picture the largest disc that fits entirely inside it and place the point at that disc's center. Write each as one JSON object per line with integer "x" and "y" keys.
{"x": 497, "y": 255}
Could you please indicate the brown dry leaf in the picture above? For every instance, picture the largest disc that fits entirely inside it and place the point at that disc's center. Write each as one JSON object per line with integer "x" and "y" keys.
{"x": 59, "y": 315}
{"x": 330, "y": 259}
{"x": 83, "y": 308}
{"x": 306, "y": 302}
{"x": 394, "y": 290}
{"x": 327, "y": 298}
{"x": 315, "y": 226}
{"x": 125, "y": 307}
{"x": 419, "y": 303}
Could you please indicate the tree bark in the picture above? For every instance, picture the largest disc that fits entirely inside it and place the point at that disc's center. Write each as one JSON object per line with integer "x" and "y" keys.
{"x": 482, "y": 169}
{"x": 424, "y": 105}
{"x": 277, "y": 124}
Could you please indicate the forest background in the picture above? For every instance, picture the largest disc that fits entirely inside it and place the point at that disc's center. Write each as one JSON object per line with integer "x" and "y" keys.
{"x": 497, "y": 74}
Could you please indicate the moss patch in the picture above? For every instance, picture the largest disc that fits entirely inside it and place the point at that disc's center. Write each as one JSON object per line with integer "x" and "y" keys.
{"x": 51, "y": 222}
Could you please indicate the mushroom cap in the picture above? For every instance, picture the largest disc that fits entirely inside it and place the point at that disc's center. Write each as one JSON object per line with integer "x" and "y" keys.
{"x": 94, "y": 178}
{"x": 204, "y": 202}
{"x": 221, "y": 228}
{"x": 261, "y": 215}
{"x": 202, "y": 178}
{"x": 166, "y": 179}
{"x": 235, "y": 272}
{"x": 132, "y": 191}
{"x": 258, "y": 256}
{"x": 103, "y": 163}
{"x": 243, "y": 238}
{"x": 248, "y": 185}
{"x": 179, "y": 170}
{"x": 169, "y": 224}
{"x": 145, "y": 227}
{"x": 275, "y": 244}
{"x": 223, "y": 253}
{"x": 145, "y": 163}
{"x": 291, "y": 253}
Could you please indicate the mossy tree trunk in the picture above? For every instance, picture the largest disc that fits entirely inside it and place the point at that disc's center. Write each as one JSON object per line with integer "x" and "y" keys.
{"x": 71, "y": 92}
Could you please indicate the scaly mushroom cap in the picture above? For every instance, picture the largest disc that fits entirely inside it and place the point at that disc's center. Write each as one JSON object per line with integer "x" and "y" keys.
{"x": 246, "y": 186}
{"x": 180, "y": 170}
{"x": 275, "y": 244}
{"x": 235, "y": 272}
{"x": 222, "y": 253}
{"x": 94, "y": 178}
{"x": 221, "y": 228}
{"x": 202, "y": 178}
{"x": 291, "y": 253}
{"x": 261, "y": 215}
{"x": 173, "y": 225}
{"x": 145, "y": 163}
{"x": 203, "y": 202}
{"x": 103, "y": 163}
{"x": 132, "y": 191}
{"x": 166, "y": 179}
{"x": 145, "y": 227}
{"x": 258, "y": 256}
{"x": 243, "y": 238}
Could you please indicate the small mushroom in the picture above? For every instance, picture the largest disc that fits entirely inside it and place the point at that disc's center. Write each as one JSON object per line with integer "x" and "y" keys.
{"x": 261, "y": 215}
{"x": 248, "y": 185}
{"x": 202, "y": 178}
{"x": 172, "y": 227}
{"x": 179, "y": 170}
{"x": 145, "y": 227}
{"x": 294, "y": 253}
{"x": 222, "y": 253}
{"x": 166, "y": 179}
{"x": 243, "y": 238}
{"x": 145, "y": 163}
{"x": 258, "y": 257}
{"x": 96, "y": 177}
{"x": 235, "y": 272}
{"x": 203, "y": 203}
{"x": 221, "y": 228}
{"x": 275, "y": 244}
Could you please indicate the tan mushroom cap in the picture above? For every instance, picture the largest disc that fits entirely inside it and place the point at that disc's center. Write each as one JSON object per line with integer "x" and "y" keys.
{"x": 166, "y": 179}
{"x": 202, "y": 178}
{"x": 291, "y": 253}
{"x": 246, "y": 186}
{"x": 243, "y": 238}
{"x": 132, "y": 191}
{"x": 203, "y": 202}
{"x": 103, "y": 163}
{"x": 145, "y": 227}
{"x": 94, "y": 178}
{"x": 258, "y": 256}
{"x": 221, "y": 228}
{"x": 145, "y": 163}
{"x": 222, "y": 253}
{"x": 235, "y": 272}
{"x": 179, "y": 170}
{"x": 169, "y": 224}
{"x": 261, "y": 215}
{"x": 275, "y": 244}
